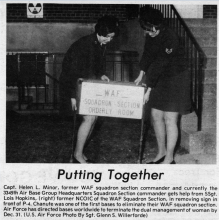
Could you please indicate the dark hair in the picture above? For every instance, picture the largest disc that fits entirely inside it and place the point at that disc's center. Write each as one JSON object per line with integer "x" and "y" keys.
{"x": 106, "y": 25}
{"x": 150, "y": 15}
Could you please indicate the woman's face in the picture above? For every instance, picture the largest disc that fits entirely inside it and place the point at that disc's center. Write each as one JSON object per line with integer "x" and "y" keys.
{"x": 107, "y": 39}
{"x": 152, "y": 33}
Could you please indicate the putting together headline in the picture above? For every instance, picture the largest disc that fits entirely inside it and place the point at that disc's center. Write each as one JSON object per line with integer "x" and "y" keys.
{"x": 112, "y": 175}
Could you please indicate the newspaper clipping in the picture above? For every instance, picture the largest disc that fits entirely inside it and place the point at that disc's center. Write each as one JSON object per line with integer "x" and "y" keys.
{"x": 108, "y": 110}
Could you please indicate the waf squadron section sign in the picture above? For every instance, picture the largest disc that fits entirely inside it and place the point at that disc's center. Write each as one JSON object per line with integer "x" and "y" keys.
{"x": 113, "y": 99}
{"x": 34, "y": 10}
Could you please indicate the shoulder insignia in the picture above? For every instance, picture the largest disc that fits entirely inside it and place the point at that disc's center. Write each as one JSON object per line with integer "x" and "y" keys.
{"x": 168, "y": 51}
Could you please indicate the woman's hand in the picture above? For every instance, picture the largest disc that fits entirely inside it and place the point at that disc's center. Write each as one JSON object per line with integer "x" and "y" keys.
{"x": 141, "y": 74}
{"x": 105, "y": 78}
{"x": 147, "y": 96}
{"x": 73, "y": 104}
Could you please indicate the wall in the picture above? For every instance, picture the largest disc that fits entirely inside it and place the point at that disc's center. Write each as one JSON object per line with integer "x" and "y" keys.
{"x": 190, "y": 11}
{"x": 52, "y": 37}
{"x": 81, "y": 13}
{"x": 65, "y": 23}
{"x": 57, "y": 37}
{"x": 61, "y": 26}
{"x": 210, "y": 11}
{"x": 197, "y": 11}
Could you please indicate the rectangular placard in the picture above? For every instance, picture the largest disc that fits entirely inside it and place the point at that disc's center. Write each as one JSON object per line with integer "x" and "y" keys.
{"x": 111, "y": 99}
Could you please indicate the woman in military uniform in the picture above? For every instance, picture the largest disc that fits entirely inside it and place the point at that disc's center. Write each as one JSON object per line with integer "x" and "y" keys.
{"x": 167, "y": 80}
{"x": 85, "y": 59}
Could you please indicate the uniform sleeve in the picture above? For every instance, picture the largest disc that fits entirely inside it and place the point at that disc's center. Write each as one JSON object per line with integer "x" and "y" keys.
{"x": 71, "y": 69}
{"x": 168, "y": 49}
{"x": 96, "y": 62}
{"x": 149, "y": 54}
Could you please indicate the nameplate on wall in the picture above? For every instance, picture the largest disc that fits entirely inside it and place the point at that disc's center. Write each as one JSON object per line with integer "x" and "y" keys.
{"x": 34, "y": 10}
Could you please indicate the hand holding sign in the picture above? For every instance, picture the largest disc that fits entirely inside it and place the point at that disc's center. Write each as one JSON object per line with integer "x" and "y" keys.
{"x": 141, "y": 74}
{"x": 73, "y": 104}
{"x": 105, "y": 78}
{"x": 147, "y": 95}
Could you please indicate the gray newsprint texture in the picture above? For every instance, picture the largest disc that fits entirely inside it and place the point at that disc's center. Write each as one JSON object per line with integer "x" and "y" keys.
{"x": 110, "y": 158}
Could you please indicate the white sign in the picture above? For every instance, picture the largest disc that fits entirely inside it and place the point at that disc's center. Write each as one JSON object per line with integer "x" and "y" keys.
{"x": 35, "y": 10}
{"x": 111, "y": 100}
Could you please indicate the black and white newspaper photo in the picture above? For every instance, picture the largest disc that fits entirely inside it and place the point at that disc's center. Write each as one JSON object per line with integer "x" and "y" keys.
{"x": 108, "y": 110}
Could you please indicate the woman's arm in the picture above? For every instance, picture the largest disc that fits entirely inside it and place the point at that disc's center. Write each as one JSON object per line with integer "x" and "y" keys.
{"x": 147, "y": 95}
{"x": 140, "y": 76}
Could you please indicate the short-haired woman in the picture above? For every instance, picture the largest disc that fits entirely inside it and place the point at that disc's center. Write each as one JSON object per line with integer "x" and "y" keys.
{"x": 167, "y": 80}
{"x": 85, "y": 59}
